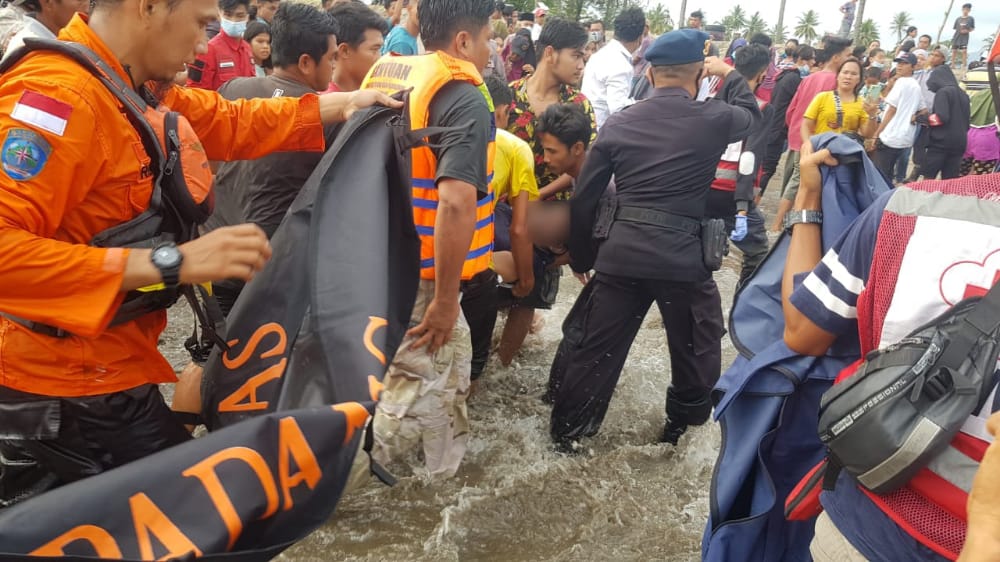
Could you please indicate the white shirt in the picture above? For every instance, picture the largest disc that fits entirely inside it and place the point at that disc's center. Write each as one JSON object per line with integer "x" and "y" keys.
{"x": 607, "y": 80}
{"x": 536, "y": 32}
{"x": 907, "y": 97}
{"x": 32, "y": 28}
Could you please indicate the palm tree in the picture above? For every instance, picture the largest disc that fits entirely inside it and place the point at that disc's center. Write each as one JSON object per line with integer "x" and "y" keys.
{"x": 659, "y": 20}
{"x": 951, "y": 4}
{"x": 859, "y": 19}
{"x": 866, "y": 33}
{"x": 778, "y": 33}
{"x": 900, "y": 23}
{"x": 735, "y": 21}
{"x": 756, "y": 25}
{"x": 806, "y": 29}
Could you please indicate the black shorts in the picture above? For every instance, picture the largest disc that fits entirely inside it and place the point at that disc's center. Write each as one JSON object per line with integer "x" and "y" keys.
{"x": 546, "y": 289}
{"x": 960, "y": 42}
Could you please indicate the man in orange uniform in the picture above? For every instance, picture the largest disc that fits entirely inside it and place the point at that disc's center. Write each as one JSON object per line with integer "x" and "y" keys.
{"x": 76, "y": 396}
{"x": 428, "y": 382}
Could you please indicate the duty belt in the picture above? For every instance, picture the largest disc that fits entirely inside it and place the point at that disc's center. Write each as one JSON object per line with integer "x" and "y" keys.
{"x": 658, "y": 218}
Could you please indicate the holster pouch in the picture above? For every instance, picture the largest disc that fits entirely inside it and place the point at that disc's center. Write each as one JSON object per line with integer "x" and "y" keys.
{"x": 714, "y": 243}
{"x": 605, "y": 217}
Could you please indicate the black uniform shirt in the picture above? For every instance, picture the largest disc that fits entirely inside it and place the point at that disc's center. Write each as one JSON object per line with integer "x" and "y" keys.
{"x": 663, "y": 153}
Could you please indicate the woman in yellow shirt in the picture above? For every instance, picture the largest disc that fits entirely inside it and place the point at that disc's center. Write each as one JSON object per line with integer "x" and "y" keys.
{"x": 842, "y": 110}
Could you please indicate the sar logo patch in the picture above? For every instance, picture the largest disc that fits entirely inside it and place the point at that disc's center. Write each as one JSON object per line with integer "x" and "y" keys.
{"x": 24, "y": 154}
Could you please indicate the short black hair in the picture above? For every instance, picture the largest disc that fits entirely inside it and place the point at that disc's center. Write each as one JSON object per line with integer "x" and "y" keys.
{"x": 441, "y": 20}
{"x": 873, "y": 72}
{"x": 596, "y": 21}
{"x": 254, "y": 29}
{"x": 821, "y": 56}
{"x": 353, "y": 20}
{"x": 560, "y": 34}
{"x": 751, "y": 60}
{"x": 698, "y": 14}
{"x": 793, "y": 40}
{"x": 300, "y": 29}
{"x": 833, "y": 45}
{"x": 567, "y": 122}
{"x": 499, "y": 90}
{"x": 230, "y": 5}
{"x": 858, "y": 52}
{"x": 911, "y": 29}
{"x": 761, "y": 39}
{"x": 966, "y": 6}
{"x": 630, "y": 24}
{"x": 805, "y": 52}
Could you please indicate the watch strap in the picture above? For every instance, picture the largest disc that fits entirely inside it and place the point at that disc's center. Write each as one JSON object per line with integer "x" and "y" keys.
{"x": 801, "y": 216}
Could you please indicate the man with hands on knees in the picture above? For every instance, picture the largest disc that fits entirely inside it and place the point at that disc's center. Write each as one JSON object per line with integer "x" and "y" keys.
{"x": 79, "y": 183}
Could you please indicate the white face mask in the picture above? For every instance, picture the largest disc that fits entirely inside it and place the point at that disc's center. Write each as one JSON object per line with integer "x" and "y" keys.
{"x": 233, "y": 28}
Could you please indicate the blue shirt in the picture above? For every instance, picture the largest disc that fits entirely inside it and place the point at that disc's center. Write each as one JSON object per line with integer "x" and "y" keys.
{"x": 399, "y": 41}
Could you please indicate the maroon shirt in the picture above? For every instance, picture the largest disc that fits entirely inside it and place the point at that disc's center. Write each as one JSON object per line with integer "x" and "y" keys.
{"x": 227, "y": 58}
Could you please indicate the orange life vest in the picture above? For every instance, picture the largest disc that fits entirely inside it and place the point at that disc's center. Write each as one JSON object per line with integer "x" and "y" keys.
{"x": 426, "y": 75}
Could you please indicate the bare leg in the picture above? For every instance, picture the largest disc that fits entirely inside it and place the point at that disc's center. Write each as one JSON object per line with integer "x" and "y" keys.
{"x": 779, "y": 218}
{"x": 514, "y": 331}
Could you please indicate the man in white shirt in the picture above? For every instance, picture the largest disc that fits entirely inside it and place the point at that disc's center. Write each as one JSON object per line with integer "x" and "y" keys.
{"x": 607, "y": 79}
{"x": 898, "y": 129}
{"x": 44, "y": 19}
{"x": 540, "y": 12}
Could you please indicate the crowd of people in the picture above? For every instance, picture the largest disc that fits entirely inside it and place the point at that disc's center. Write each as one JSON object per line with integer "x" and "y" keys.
{"x": 633, "y": 159}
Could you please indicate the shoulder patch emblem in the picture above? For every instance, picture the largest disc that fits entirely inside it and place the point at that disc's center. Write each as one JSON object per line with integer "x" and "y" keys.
{"x": 24, "y": 154}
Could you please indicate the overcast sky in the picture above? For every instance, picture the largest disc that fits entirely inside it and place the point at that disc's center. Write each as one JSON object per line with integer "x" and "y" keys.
{"x": 927, "y": 15}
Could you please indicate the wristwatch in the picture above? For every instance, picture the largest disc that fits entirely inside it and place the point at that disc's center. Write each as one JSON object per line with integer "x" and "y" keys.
{"x": 798, "y": 216}
{"x": 168, "y": 258}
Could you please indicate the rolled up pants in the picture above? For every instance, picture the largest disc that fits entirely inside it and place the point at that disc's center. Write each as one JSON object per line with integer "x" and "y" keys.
{"x": 424, "y": 399}
{"x": 607, "y": 322}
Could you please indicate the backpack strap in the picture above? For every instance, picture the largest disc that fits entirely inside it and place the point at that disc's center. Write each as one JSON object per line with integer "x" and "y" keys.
{"x": 983, "y": 319}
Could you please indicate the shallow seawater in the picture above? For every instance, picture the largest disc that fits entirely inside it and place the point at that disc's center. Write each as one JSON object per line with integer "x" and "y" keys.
{"x": 626, "y": 497}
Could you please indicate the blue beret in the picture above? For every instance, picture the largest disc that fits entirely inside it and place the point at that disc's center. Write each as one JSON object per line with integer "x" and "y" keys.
{"x": 682, "y": 46}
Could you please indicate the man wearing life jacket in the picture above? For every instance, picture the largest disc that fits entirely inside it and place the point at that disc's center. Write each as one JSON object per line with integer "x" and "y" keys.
{"x": 428, "y": 382}
{"x": 737, "y": 177}
{"x": 82, "y": 186}
{"x": 910, "y": 256}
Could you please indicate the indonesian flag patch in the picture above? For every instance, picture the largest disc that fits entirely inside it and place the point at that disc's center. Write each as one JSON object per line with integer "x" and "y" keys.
{"x": 41, "y": 111}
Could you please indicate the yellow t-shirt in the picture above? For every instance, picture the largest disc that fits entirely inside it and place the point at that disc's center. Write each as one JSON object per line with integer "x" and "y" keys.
{"x": 513, "y": 168}
{"x": 823, "y": 110}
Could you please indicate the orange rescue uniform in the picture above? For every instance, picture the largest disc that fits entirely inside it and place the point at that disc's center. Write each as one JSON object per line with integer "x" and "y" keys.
{"x": 94, "y": 175}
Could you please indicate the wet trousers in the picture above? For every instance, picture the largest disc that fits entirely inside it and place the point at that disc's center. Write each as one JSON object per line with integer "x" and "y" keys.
{"x": 63, "y": 440}
{"x": 424, "y": 399}
{"x": 602, "y": 326}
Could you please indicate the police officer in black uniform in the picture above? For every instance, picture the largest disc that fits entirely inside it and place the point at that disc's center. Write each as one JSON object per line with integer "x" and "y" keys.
{"x": 663, "y": 153}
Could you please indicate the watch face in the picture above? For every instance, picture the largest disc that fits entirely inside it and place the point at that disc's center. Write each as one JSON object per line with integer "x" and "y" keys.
{"x": 168, "y": 256}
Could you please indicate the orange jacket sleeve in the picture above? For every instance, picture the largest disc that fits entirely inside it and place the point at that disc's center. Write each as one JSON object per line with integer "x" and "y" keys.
{"x": 249, "y": 129}
{"x": 47, "y": 273}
